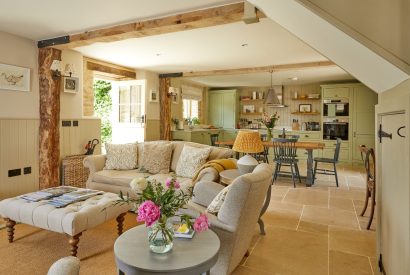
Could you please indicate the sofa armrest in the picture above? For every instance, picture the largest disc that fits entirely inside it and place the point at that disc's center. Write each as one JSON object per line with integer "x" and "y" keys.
{"x": 94, "y": 163}
{"x": 208, "y": 174}
{"x": 205, "y": 192}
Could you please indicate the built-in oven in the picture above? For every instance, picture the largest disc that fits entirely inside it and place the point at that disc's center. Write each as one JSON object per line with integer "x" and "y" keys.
{"x": 335, "y": 129}
{"x": 335, "y": 107}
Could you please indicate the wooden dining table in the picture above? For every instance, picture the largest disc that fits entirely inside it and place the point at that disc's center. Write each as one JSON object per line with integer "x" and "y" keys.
{"x": 308, "y": 146}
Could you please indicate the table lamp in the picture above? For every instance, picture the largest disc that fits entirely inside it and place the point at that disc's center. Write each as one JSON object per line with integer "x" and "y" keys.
{"x": 248, "y": 142}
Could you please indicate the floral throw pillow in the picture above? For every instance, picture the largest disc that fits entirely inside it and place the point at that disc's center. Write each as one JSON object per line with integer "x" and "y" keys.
{"x": 191, "y": 159}
{"x": 217, "y": 202}
{"x": 156, "y": 157}
{"x": 121, "y": 156}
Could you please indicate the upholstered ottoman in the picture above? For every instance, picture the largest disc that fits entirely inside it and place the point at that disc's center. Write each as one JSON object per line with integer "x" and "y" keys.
{"x": 71, "y": 220}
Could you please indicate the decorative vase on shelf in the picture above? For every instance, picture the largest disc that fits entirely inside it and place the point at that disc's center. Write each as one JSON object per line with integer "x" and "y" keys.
{"x": 270, "y": 135}
{"x": 160, "y": 237}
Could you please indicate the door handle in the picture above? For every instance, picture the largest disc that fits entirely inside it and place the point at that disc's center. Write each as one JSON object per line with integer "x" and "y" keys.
{"x": 398, "y": 131}
{"x": 382, "y": 134}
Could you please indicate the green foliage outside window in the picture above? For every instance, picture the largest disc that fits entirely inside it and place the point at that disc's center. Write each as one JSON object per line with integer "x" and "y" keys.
{"x": 103, "y": 107}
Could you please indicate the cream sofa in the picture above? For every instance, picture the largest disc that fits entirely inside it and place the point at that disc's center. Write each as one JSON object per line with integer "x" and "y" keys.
{"x": 118, "y": 180}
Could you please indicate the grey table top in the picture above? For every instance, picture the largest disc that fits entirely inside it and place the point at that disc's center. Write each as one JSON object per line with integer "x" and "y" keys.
{"x": 188, "y": 256}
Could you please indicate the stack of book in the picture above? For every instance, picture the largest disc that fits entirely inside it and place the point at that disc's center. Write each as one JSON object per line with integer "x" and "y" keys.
{"x": 183, "y": 231}
{"x": 48, "y": 193}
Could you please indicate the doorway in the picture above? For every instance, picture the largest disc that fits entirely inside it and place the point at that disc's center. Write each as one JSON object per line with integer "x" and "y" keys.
{"x": 121, "y": 107}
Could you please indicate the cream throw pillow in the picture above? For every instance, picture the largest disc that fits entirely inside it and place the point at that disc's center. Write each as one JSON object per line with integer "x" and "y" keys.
{"x": 217, "y": 202}
{"x": 121, "y": 156}
{"x": 191, "y": 159}
{"x": 156, "y": 157}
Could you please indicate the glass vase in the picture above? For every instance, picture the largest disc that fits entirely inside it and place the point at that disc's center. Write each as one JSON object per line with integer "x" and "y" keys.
{"x": 270, "y": 136}
{"x": 160, "y": 237}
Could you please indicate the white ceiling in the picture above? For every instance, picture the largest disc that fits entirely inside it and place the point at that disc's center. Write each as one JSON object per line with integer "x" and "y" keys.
{"x": 210, "y": 48}
{"x": 217, "y": 48}
{"x": 44, "y": 19}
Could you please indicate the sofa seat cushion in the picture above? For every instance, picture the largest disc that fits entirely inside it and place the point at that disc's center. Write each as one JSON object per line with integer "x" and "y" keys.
{"x": 119, "y": 178}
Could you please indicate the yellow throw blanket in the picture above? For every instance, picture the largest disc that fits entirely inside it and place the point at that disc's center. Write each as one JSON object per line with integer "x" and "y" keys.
{"x": 218, "y": 164}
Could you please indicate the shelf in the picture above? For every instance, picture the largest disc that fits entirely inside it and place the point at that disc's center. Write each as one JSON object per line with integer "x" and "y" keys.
{"x": 306, "y": 98}
{"x": 252, "y": 101}
{"x": 306, "y": 114}
{"x": 251, "y": 114}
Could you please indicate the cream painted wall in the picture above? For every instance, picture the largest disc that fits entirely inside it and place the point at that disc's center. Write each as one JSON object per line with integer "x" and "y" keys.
{"x": 152, "y": 122}
{"x": 71, "y": 105}
{"x": 386, "y": 23}
{"x": 22, "y": 52}
{"x": 399, "y": 90}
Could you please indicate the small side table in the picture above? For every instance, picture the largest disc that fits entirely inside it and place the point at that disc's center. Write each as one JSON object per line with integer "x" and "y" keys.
{"x": 228, "y": 176}
{"x": 188, "y": 256}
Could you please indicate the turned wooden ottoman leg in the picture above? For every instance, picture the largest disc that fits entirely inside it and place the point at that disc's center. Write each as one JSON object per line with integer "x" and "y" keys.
{"x": 10, "y": 229}
{"x": 120, "y": 223}
{"x": 74, "y": 240}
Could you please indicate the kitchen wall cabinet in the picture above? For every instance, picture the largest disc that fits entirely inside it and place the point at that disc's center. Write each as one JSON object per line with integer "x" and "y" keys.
{"x": 223, "y": 108}
{"x": 362, "y": 103}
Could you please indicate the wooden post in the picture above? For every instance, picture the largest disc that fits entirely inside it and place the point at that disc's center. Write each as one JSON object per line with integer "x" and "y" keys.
{"x": 165, "y": 106}
{"x": 49, "y": 143}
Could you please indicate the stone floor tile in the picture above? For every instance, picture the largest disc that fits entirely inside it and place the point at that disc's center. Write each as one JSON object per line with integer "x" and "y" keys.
{"x": 352, "y": 241}
{"x": 307, "y": 197}
{"x": 313, "y": 227}
{"x": 341, "y": 204}
{"x": 284, "y": 251}
{"x": 330, "y": 216}
{"x": 348, "y": 264}
{"x": 244, "y": 270}
{"x": 355, "y": 194}
{"x": 282, "y": 218}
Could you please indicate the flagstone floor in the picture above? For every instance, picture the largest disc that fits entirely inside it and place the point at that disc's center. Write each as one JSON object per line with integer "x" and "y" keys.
{"x": 315, "y": 230}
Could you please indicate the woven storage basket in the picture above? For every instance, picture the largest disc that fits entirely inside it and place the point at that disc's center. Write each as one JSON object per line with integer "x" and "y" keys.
{"x": 74, "y": 172}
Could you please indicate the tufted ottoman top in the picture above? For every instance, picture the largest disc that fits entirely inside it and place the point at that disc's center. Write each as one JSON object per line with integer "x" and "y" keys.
{"x": 72, "y": 219}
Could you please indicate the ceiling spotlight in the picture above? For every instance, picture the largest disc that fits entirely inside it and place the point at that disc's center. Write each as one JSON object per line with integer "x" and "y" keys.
{"x": 244, "y": 44}
{"x": 293, "y": 78}
{"x": 158, "y": 54}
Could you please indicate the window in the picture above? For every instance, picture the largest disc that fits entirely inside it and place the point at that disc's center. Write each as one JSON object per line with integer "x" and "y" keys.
{"x": 130, "y": 101}
{"x": 190, "y": 108}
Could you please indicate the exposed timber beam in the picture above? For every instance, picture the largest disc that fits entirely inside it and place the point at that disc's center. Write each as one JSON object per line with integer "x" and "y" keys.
{"x": 272, "y": 68}
{"x": 110, "y": 70}
{"x": 180, "y": 22}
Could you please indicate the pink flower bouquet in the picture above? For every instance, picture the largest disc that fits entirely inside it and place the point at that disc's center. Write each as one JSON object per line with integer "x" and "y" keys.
{"x": 156, "y": 203}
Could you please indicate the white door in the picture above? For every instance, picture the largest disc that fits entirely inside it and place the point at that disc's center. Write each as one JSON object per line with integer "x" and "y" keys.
{"x": 393, "y": 198}
{"x": 128, "y": 120}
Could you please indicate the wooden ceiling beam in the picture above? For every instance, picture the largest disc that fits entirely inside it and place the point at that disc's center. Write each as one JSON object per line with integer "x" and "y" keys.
{"x": 272, "y": 68}
{"x": 110, "y": 70}
{"x": 180, "y": 22}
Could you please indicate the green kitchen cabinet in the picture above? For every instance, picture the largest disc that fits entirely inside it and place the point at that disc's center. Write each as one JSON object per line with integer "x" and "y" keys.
{"x": 223, "y": 108}
{"x": 364, "y": 101}
{"x": 198, "y": 136}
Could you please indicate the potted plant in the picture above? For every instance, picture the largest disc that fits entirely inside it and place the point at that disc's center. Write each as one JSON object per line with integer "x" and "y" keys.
{"x": 174, "y": 124}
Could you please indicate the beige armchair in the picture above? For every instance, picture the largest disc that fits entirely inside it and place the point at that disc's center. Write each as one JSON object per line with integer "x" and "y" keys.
{"x": 238, "y": 215}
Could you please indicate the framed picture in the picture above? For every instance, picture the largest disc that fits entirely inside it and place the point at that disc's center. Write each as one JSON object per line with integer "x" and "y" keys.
{"x": 70, "y": 85}
{"x": 305, "y": 108}
{"x": 175, "y": 95}
{"x": 153, "y": 96}
{"x": 14, "y": 78}
{"x": 249, "y": 108}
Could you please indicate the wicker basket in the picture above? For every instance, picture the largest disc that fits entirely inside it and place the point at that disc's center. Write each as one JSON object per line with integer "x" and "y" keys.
{"x": 74, "y": 172}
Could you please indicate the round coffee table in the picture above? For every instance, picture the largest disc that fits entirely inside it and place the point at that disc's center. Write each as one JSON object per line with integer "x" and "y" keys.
{"x": 188, "y": 256}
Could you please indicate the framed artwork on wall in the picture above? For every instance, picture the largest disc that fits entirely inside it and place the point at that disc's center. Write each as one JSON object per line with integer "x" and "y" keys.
{"x": 153, "y": 96}
{"x": 14, "y": 78}
{"x": 305, "y": 108}
{"x": 70, "y": 85}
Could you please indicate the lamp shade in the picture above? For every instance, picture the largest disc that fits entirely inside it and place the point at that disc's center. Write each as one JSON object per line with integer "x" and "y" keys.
{"x": 248, "y": 142}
